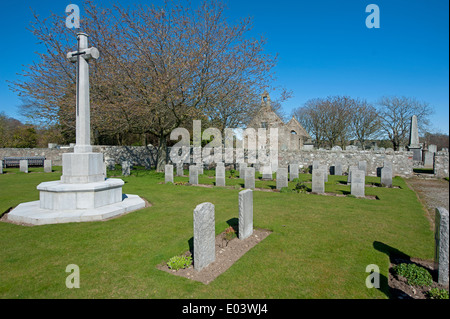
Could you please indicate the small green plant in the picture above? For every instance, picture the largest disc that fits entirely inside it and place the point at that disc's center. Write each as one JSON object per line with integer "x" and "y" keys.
{"x": 230, "y": 233}
{"x": 232, "y": 173}
{"x": 416, "y": 275}
{"x": 179, "y": 262}
{"x": 296, "y": 180}
{"x": 301, "y": 188}
{"x": 436, "y": 293}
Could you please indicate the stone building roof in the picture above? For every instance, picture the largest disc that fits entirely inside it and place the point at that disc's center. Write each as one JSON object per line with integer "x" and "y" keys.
{"x": 291, "y": 135}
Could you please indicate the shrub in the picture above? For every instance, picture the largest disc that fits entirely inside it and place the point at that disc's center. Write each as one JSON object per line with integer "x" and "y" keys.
{"x": 179, "y": 262}
{"x": 230, "y": 233}
{"x": 436, "y": 293}
{"x": 301, "y": 188}
{"x": 416, "y": 275}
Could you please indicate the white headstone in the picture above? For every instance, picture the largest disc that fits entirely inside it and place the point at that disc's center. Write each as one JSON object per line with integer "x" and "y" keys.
{"x": 193, "y": 174}
{"x": 318, "y": 181}
{"x": 23, "y": 166}
{"x": 168, "y": 174}
{"x": 245, "y": 213}
{"x": 293, "y": 171}
{"x": 358, "y": 183}
{"x": 282, "y": 178}
{"x": 180, "y": 169}
{"x": 47, "y": 166}
{"x": 249, "y": 180}
{"x": 386, "y": 176}
{"x": 204, "y": 236}
{"x": 441, "y": 245}
{"x": 220, "y": 175}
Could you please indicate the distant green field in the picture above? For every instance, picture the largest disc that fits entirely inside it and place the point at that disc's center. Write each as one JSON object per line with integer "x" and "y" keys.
{"x": 319, "y": 246}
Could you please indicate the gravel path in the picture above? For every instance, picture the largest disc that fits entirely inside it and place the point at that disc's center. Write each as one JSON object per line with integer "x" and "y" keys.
{"x": 432, "y": 193}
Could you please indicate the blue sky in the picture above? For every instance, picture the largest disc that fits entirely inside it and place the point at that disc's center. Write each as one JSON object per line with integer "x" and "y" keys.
{"x": 324, "y": 48}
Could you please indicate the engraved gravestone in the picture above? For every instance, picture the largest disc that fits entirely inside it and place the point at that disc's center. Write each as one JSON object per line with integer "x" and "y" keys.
{"x": 362, "y": 166}
{"x": 386, "y": 176}
{"x": 47, "y": 166}
{"x": 168, "y": 173}
{"x": 23, "y": 166}
{"x": 180, "y": 169}
{"x": 249, "y": 180}
{"x": 350, "y": 170}
{"x": 242, "y": 167}
{"x": 318, "y": 182}
{"x": 293, "y": 171}
{"x": 441, "y": 245}
{"x": 245, "y": 213}
{"x": 126, "y": 168}
{"x": 358, "y": 183}
{"x": 220, "y": 175}
{"x": 282, "y": 178}
{"x": 204, "y": 236}
{"x": 193, "y": 174}
{"x": 324, "y": 168}
{"x": 337, "y": 168}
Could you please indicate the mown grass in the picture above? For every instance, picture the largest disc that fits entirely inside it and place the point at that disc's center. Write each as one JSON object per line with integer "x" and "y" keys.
{"x": 319, "y": 246}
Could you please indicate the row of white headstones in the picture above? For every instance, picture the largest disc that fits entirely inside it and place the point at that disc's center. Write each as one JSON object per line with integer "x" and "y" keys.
{"x": 356, "y": 176}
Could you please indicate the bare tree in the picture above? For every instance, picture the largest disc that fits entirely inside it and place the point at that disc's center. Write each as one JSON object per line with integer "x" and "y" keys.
{"x": 364, "y": 121}
{"x": 160, "y": 67}
{"x": 327, "y": 120}
{"x": 395, "y": 117}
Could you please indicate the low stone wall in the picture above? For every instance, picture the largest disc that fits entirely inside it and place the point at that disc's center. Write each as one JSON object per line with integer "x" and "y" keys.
{"x": 146, "y": 156}
{"x": 441, "y": 168}
{"x": 402, "y": 160}
{"x": 138, "y": 155}
{"x": 49, "y": 153}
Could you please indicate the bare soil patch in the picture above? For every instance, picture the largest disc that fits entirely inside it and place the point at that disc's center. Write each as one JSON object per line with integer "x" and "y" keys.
{"x": 398, "y": 285}
{"x": 227, "y": 253}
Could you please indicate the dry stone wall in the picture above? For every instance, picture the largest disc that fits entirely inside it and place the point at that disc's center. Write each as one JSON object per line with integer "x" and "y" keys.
{"x": 441, "y": 168}
{"x": 402, "y": 161}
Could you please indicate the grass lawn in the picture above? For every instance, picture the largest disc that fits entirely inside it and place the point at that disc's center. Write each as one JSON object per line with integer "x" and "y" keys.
{"x": 319, "y": 248}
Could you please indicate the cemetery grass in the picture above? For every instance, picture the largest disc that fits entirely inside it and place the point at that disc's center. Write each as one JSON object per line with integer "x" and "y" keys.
{"x": 320, "y": 246}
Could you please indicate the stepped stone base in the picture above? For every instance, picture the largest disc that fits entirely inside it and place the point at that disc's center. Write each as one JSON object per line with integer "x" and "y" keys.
{"x": 32, "y": 213}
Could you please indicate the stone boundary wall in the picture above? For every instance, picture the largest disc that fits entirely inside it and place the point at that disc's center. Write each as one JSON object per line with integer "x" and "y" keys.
{"x": 138, "y": 155}
{"x": 402, "y": 160}
{"x": 441, "y": 168}
{"x": 146, "y": 156}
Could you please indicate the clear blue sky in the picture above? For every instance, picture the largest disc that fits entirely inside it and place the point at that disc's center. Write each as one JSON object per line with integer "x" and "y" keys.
{"x": 324, "y": 47}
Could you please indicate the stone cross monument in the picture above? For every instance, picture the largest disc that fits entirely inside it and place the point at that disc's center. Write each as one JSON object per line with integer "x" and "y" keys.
{"x": 83, "y": 193}
{"x": 82, "y": 57}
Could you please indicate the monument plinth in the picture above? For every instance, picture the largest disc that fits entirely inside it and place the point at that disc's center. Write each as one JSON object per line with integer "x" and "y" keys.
{"x": 83, "y": 193}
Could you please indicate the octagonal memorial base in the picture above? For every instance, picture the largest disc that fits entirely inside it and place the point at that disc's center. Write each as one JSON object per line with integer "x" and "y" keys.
{"x": 65, "y": 203}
